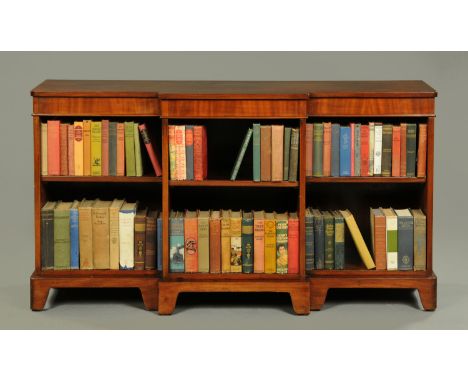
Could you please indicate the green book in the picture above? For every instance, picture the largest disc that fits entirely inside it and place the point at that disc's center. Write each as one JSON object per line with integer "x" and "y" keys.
{"x": 241, "y": 154}
{"x": 392, "y": 238}
{"x": 317, "y": 169}
{"x": 286, "y": 146}
{"x": 256, "y": 152}
{"x": 387, "y": 133}
{"x": 339, "y": 251}
{"x": 281, "y": 243}
{"x": 138, "y": 159}
{"x": 410, "y": 149}
{"x": 62, "y": 235}
{"x": 203, "y": 241}
{"x": 129, "y": 149}
{"x": 294, "y": 155}
{"x": 329, "y": 229}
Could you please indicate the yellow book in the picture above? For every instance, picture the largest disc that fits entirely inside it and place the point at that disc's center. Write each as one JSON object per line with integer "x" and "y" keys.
{"x": 358, "y": 239}
{"x": 270, "y": 243}
{"x": 226, "y": 241}
{"x": 96, "y": 148}
{"x": 236, "y": 241}
{"x": 78, "y": 147}
{"x": 87, "y": 148}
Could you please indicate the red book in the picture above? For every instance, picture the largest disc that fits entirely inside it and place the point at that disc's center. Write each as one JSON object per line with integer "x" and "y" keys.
{"x": 351, "y": 125}
{"x": 105, "y": 147}
{"x": 53, "y": 147}
{"x": 293, "y": 243}
{"x": 200, "y": 153}
{"x": 120, "y": 149}
{"x": 71, "y": 150}
{"x": 309, "y": 146}
{"x": 326, "y": 148}
{"x": 364, "y": 150}
{"x": 63, "y": 149}
{"x": 403, "y": 149}
{"x": 149, "y": 148}
{"x": 422, "y": 150}
{"x": 396, "y": 151}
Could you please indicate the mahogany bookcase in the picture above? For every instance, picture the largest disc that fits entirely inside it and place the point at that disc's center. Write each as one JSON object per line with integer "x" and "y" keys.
{"x": 228, "y": 108}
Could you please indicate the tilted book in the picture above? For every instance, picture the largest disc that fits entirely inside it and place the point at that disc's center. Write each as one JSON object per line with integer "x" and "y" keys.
{"x": 391, "y": 224}
{"x": 247, "y": 242}
{"x": 85, "y": 229}
{"x": 191, "y": 241}
{"x": 149, "y": 143}
{"x": 126, "y": 235}
{"x": 225, "y": 241}
{"x": 47, "y": 235}
{"x": 101, "y": 234}
{"x": 96, "y": 148}
{"x": 203, "y": 241}
{"x": 176, "y": 242}
{"x": 114, "y": 244}
{"x": 293, "y": 243}
{"x": 236, "y": 241}
{"x": 270, "y": 242}
{"x": 62, "y": 235}
{"x": 281, "y": 243}
{"x": 140, "y": 239}
{"x": 241, "y": 153}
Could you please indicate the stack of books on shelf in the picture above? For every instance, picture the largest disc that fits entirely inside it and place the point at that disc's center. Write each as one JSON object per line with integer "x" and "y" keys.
{"x": 374, "y": 149}
{"x": 98, "y": 234}
{"x": 97, "y": 148}
{"x": 188, "y": 152}
{"x": 233, "y": 242}
{"x": 275, "y": 153}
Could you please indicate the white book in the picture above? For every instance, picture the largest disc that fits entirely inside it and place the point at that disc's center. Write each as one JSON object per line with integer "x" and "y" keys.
{"x": 391, "y": 221}
{"x": 179, "y": 138}
{"x": 371, "y": 148}
{"x": 126, "y": 235}
{"x": 43, "y": 148}
{"x": 377, "y": 149}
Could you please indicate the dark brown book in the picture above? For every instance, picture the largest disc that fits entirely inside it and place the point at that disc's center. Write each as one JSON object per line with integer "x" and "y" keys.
{"x": 387, "y": 131}
{"x": 150, "y": 240}
{"x": 215, "y": 242}
{"x": 422, "y": 149}
{"x": 140, "y": 239}
{"x": 265, "y": 153}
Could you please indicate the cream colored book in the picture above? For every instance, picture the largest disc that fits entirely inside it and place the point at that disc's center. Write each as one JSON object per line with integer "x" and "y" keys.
{"x": 114, "y": 242}
{"x": 391, "y": 221}
{"x": 85, "y": 230}
{"x": 225, "y": 241}
{"x": 126, "y": 235}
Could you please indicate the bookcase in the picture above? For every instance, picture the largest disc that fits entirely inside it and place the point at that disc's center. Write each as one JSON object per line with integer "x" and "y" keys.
{"x": 228, "y": 108}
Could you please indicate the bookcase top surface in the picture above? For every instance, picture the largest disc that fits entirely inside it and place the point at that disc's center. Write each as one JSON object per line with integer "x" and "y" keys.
{"x": 232, "y": 89}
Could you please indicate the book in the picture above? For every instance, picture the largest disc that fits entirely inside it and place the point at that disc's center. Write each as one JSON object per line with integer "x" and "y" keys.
{"x": 286, "y": 149}
{"x": 114, "y": 243}
{"x": 352, "y": 143}
{"x": 78, "y": 148}
{"x": 172, "y": 152}
{"x": 309, "y": 145}
{"x": 101, "y": 234}
{"x": 270, "y": 242}
{"x": 150, "y": 239}
{"x": 411, "y": 149}
{"x": 371, "y": 148}
{"x": 357, "y": 149}
{"x": 188, "y": 153}
{"x": 259, "y": 241}
{"x": 247, "y": 242}
{"x": 44, "y": 149}
{"x": 396, "y": 150}
{"x": 191, "y": 241}
{"x": 327, "y": 148}
{"x": 391, "y": 224}
{"x": 74, "y": 236}
{"x": 86, "y": 147}
{"x": 105, "y": 147}
{"x": 405, "y": 239}
{"x": 179, "y": 142}
{"x": 309, "y": 240}
{"x": 379, "y": 238}
{"x": 203, "y": 241}
{"x": 126, "y": 235}
{"x": 240, "y": 154}
{"x": 176, "y": 242}
{"x": 63, "y": 136}
{"x": 113, "y": 148}
{"x": 335, "y": 150}
{"x": 319, "y": 240}
{"x": 149, "y": 143}
{"x": 138, "y": 157}
{"x": 215, "y": 242}
{"x": 225, "y": 241}
{"x": 329, "y": 237}
{"x": 293, "y": 243}
{"x": 53, "y": 147}
{"x": 339, "y": 242}
{"x": 159, "y": 256}
{"x": 281, "y": 243}
{"x": 71, "y": 149}
{"x": 364, "y": 171}
{"x": 47, "y": 235}
{"x": 403, "y": 149}
{"x": 96, "y": 148}
{"x": 130, "y": 168}
{"x": 85, "y": 230}
{"x": 120, "y": 167}
{"x": 293, "y": 155}
{"x": 62, "y": 235}
{"x": 377, "y": 149}
{"x": 419, "y": 240}
{"x": 139, "y": 250}
{"x": 265, "y": 153}
{"x": 277, "y": 138}
{"x": 358, "y": 239}
{"x": 345, "y": 151}
{"x": 317, "y": 150}
{"x": 387, "y": 132}
{"x": 256, "y": 151}
{"x": 200, "y": 152}
{"x": 236, "y": 241}
{"x": 422, "y": 150}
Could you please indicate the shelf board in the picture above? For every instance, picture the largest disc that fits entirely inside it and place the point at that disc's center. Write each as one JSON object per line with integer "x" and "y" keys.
{"x": 102, "y": 179}
{"x": 97, "y": 273}
{"x": 232, "y": 276}
{"x": 364, "y": 179}
{"x": 366, "y": 273}
{"x": 229, "y": 183}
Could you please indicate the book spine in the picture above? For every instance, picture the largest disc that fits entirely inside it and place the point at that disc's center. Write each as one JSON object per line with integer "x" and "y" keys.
{"x": 176, "y": 244}
{"x": 339, "y": 244}
{"x": 159, "y": 243}
{"x": 335, "y": 150}
{"x": 371, "y": 148}
{"x": 318, "y": 150}
{"x": 405, "y": 243}
{"x": 120, "y": 166}
{"x": 198, "y": 152}
{"x": 380, "y": 243}
{"x": 241, "y": 154}
{"x": 270, "y": 246}
{"x": 411, "y": 149}
{"x": 329, "y": 245}
{"x": 387, "y": 132}
{"x": 138, "y": 157}
{"x": 236, "y": 245}
{"x": 378, "y": 150}
{"x": 149, "y": 149}
{"x": 256, "y": 152}
{"x": 392, "y": 243}
{"x": 85, "y": 228}
{"x": 172, "y": 152}
{"x": 293, "y": 245}
{"x": 265, "y": 153}
{"x": 63, "y": 134}
{"x": 422, "y": 150}
{"x": 189, "y": 151}
{"x": 62, "y": 239}
{"x": 96, "y": 147}
{"x": 277, "y": 138}
{"x": 43, "y": 148}
{"x": 419, "y": 243}
{"x": 286, "y": 152}
{"x": 309, "y": 237}
{"x": 47, "y": 239}
{"x": 114, "y": 252}
{"x": 129, "y": 149}
{"x": 294, "y": 155}
{"x": 191, "y": 244}
{"x": 215, "y": 245}
{"x": 345, "y": 151}
{"x": 226, "y": 245}
{"x": 351, "y": 148}
{"x": 281, "y": 246}
{"x": 259, "y": 245}
{"x": 319, "y": 243}
{"x": 150, "y": 243}
{"x": 203, "y": 245}
{"x": 396, "y": 151}
{"x": 179, "y": 140}
{"x": 247, "y": 245}
{"x": 71, "y": 149}
{"x": 364, "y": 150}
{"x": 74, "y": 240}
{"x": 140, "y": 242}
{"x": 403, "y": 149}
{"x": 204, "y": 153}
{"x": 357, "y": 150}
{"x": 100, "y": 219}
{"x": 359, "y": 241}
{"x": 86, "y": 148}
{"x": 309, "y": 146}
{"x": 78, "y": 148}
{"x": 327, "y": 149}
{"x": 113, "y": 148}
{"x": 105, "y": 147}
{"x": 126, "y": 239}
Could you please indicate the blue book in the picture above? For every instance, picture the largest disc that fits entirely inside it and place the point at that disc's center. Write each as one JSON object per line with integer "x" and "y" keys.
{"x": 189, "y": 151}
{"x": 159, "y": 242}
{"x": 345, "y": 151}
{"x": 357, "y": 149}
{"x": 256, "y": 152}
{"x": 74, "y": 237}
{"x": 176, "y": 242}
{"x": 319, "y": 240}
{"x": 335, "y": 150}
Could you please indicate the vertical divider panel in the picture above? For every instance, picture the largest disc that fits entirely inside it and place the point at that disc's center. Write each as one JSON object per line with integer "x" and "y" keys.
{"x": 165, "y": 196}
{"x": 302, "y": 195}
{"x": 428, "y": 191}
{"x": 39, "y": 195}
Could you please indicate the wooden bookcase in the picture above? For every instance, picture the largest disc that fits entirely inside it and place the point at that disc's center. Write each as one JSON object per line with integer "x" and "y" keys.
{"x": 227, "y": 108}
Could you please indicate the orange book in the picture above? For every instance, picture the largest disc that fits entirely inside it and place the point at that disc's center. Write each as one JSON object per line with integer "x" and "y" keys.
{"x": 78, "y": 147}
{"x": 53, "y": 147}
{"x": 120, "y": 149}
{"x": 200, "y": 153}
{"x": 215, "y": 242}
{"x": 71, "y": 150}
{"x": 403, "y": 149}
{"x": 326, "y": 148}
{"x": 309, "y": 147}
{"x": 379, "y": 238}
{"x": 63, "y": 149}
{"x": 105, "y": 147}
{"x": 87, "y": 148}
{"x": 422, "y": 150}
{"x": 191, "y": 241}
{"x": 293, "y": 243}
{"x": 396, "y": 142}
